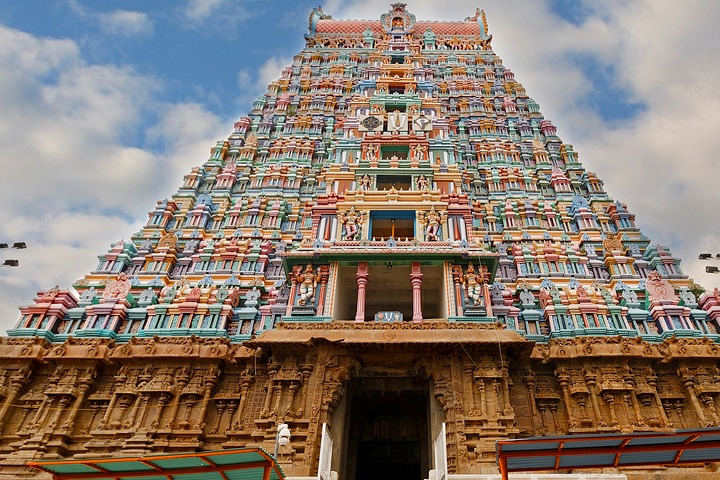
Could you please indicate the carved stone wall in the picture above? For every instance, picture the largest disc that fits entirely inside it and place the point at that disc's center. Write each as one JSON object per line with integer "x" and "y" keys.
{"x": 92, "y": 397}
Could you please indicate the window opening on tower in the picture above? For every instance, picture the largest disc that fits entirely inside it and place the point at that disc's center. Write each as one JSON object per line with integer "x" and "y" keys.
{"x": 399, "y": 182}
{"x": 392, "y": 224}
{"x": 401, "y": 152}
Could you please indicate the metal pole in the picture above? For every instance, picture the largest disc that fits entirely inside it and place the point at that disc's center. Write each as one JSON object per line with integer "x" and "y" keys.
{"x": 277, "y": 438}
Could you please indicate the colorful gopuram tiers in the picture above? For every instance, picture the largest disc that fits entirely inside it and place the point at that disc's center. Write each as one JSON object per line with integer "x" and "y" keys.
{"x": 392, "y": 248}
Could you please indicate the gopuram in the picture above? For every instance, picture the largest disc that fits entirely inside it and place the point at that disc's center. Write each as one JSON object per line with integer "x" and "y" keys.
{"x": 393, "y": 248}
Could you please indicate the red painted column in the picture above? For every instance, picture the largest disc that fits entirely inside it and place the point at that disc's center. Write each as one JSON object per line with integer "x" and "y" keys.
{"x": 362, "y": 276}
{"x": 416, "y": 277}
{"x": 457, "y": 277}
{"x": 293, "y": 288}
{"x": 323, "y": 273}
{"x": 488, "y": 300}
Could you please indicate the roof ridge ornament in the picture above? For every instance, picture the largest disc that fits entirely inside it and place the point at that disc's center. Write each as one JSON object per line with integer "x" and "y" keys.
{"x": 315, "y": 15}
{"x": 484, "y": 27}
{"x": 482, "y": 23}
{"x": 398, "y": 19}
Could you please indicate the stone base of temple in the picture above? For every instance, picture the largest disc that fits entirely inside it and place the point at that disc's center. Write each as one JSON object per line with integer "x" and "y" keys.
{"x": 378, "y": 387}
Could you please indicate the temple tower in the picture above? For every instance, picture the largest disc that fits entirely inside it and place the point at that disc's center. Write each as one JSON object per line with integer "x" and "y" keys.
{"x": 393, "y": 250}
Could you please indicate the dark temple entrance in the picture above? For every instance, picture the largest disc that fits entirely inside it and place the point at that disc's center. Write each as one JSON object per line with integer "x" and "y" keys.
{"x": 388, "y": 430}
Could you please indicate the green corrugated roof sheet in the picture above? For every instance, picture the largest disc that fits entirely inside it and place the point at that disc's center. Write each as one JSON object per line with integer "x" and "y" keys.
{"x": 239, "y": 464}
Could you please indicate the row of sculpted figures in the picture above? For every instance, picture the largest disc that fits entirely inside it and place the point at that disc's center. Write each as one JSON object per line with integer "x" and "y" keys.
{"x": 169, "y": 394}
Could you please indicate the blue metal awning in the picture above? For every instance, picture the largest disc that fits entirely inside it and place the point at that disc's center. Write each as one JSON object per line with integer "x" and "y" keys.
{"x": 572, "y": 452}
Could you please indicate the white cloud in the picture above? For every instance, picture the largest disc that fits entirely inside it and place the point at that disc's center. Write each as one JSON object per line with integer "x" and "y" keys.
{"x": 253, "y": 84}
{"x": 244, "y": 79}
{"x": 39, "y": 58}
{"x": 199, "y": 10}
{"x": 271, "y": 70}
{"x": 188, "y": 131}
{"x": 196, "y": 13}
{"x": 72, "y": 183}
{"x": 126, "y": 23}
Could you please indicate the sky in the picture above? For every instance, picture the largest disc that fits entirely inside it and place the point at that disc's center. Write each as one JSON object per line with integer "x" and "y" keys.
{"x": 104, "y": 106}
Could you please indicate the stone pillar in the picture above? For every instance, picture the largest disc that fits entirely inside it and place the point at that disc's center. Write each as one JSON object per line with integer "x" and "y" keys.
{"x": 480, "y": 384}
{"x": 265, "y": 412}
{"x": 62, "y": 405}
{"x": 292, "y": 392}
{"x": 362, "y": 276}
{"x": 236, "y": 420}
{"x": 82, "y": 390}
{"x": 543, "y": 424}
{"x": 689, "y": 384}
{"x": 108, "y": 411}
{"x": 416, "y": 277}
{"x": 278, "y": 388}
{"x": 469, "y": 369}
{"x": 163, "y": 400}
{"x": 207, "y": 392}
{"x": 136, "y": 409}
{"x": 323, "y": 275}
{"x": 17, "y": 382}
{"x": 609, "y": 399}
{"x": 553, "y": 413}
{"x": 293, "y": 290}
{"x": 696, "y": 405}
{"x": 652, "y": 382}
{"x": 529, "y": 379}
{"x": 40, "y": 413}
{"x": 181, "y": 378}
{"x": 633, "y": 402}
{"x": 306, "y": 369}
{"x": 457, "y": 278}
{"x": 190, "y": 401}
{"x": 140, "y": 422}
{"x": 488, "y": 299}
{"x": 505, "y": 383}
{"x": 564, "y": 381}
{"x": 591, "y": 382}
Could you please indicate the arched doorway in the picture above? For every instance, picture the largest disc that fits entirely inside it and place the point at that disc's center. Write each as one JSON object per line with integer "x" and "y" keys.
{"x": 388, "y": 429}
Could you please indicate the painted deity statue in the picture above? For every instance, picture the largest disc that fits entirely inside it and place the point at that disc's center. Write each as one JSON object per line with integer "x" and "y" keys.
{"x": 307, "y": 281}
{"x": 371, "y": 151}
{"x": 365, "y": 182}
{"x": 351, "y": 221}
{"x": 422, "y": 183}
{"x": 473, "y": 283}
{"x": 433, "y": 222}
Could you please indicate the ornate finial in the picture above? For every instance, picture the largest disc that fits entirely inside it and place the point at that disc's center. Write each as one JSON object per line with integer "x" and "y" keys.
{"x": 484, "y": 24}
{"x": 484, "y": 36}
{"x": 315, "y": 15}
{"x": 474, "y": 17}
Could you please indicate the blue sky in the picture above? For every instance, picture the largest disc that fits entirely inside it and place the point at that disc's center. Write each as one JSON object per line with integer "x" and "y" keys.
{"x": 106, "y": 105}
